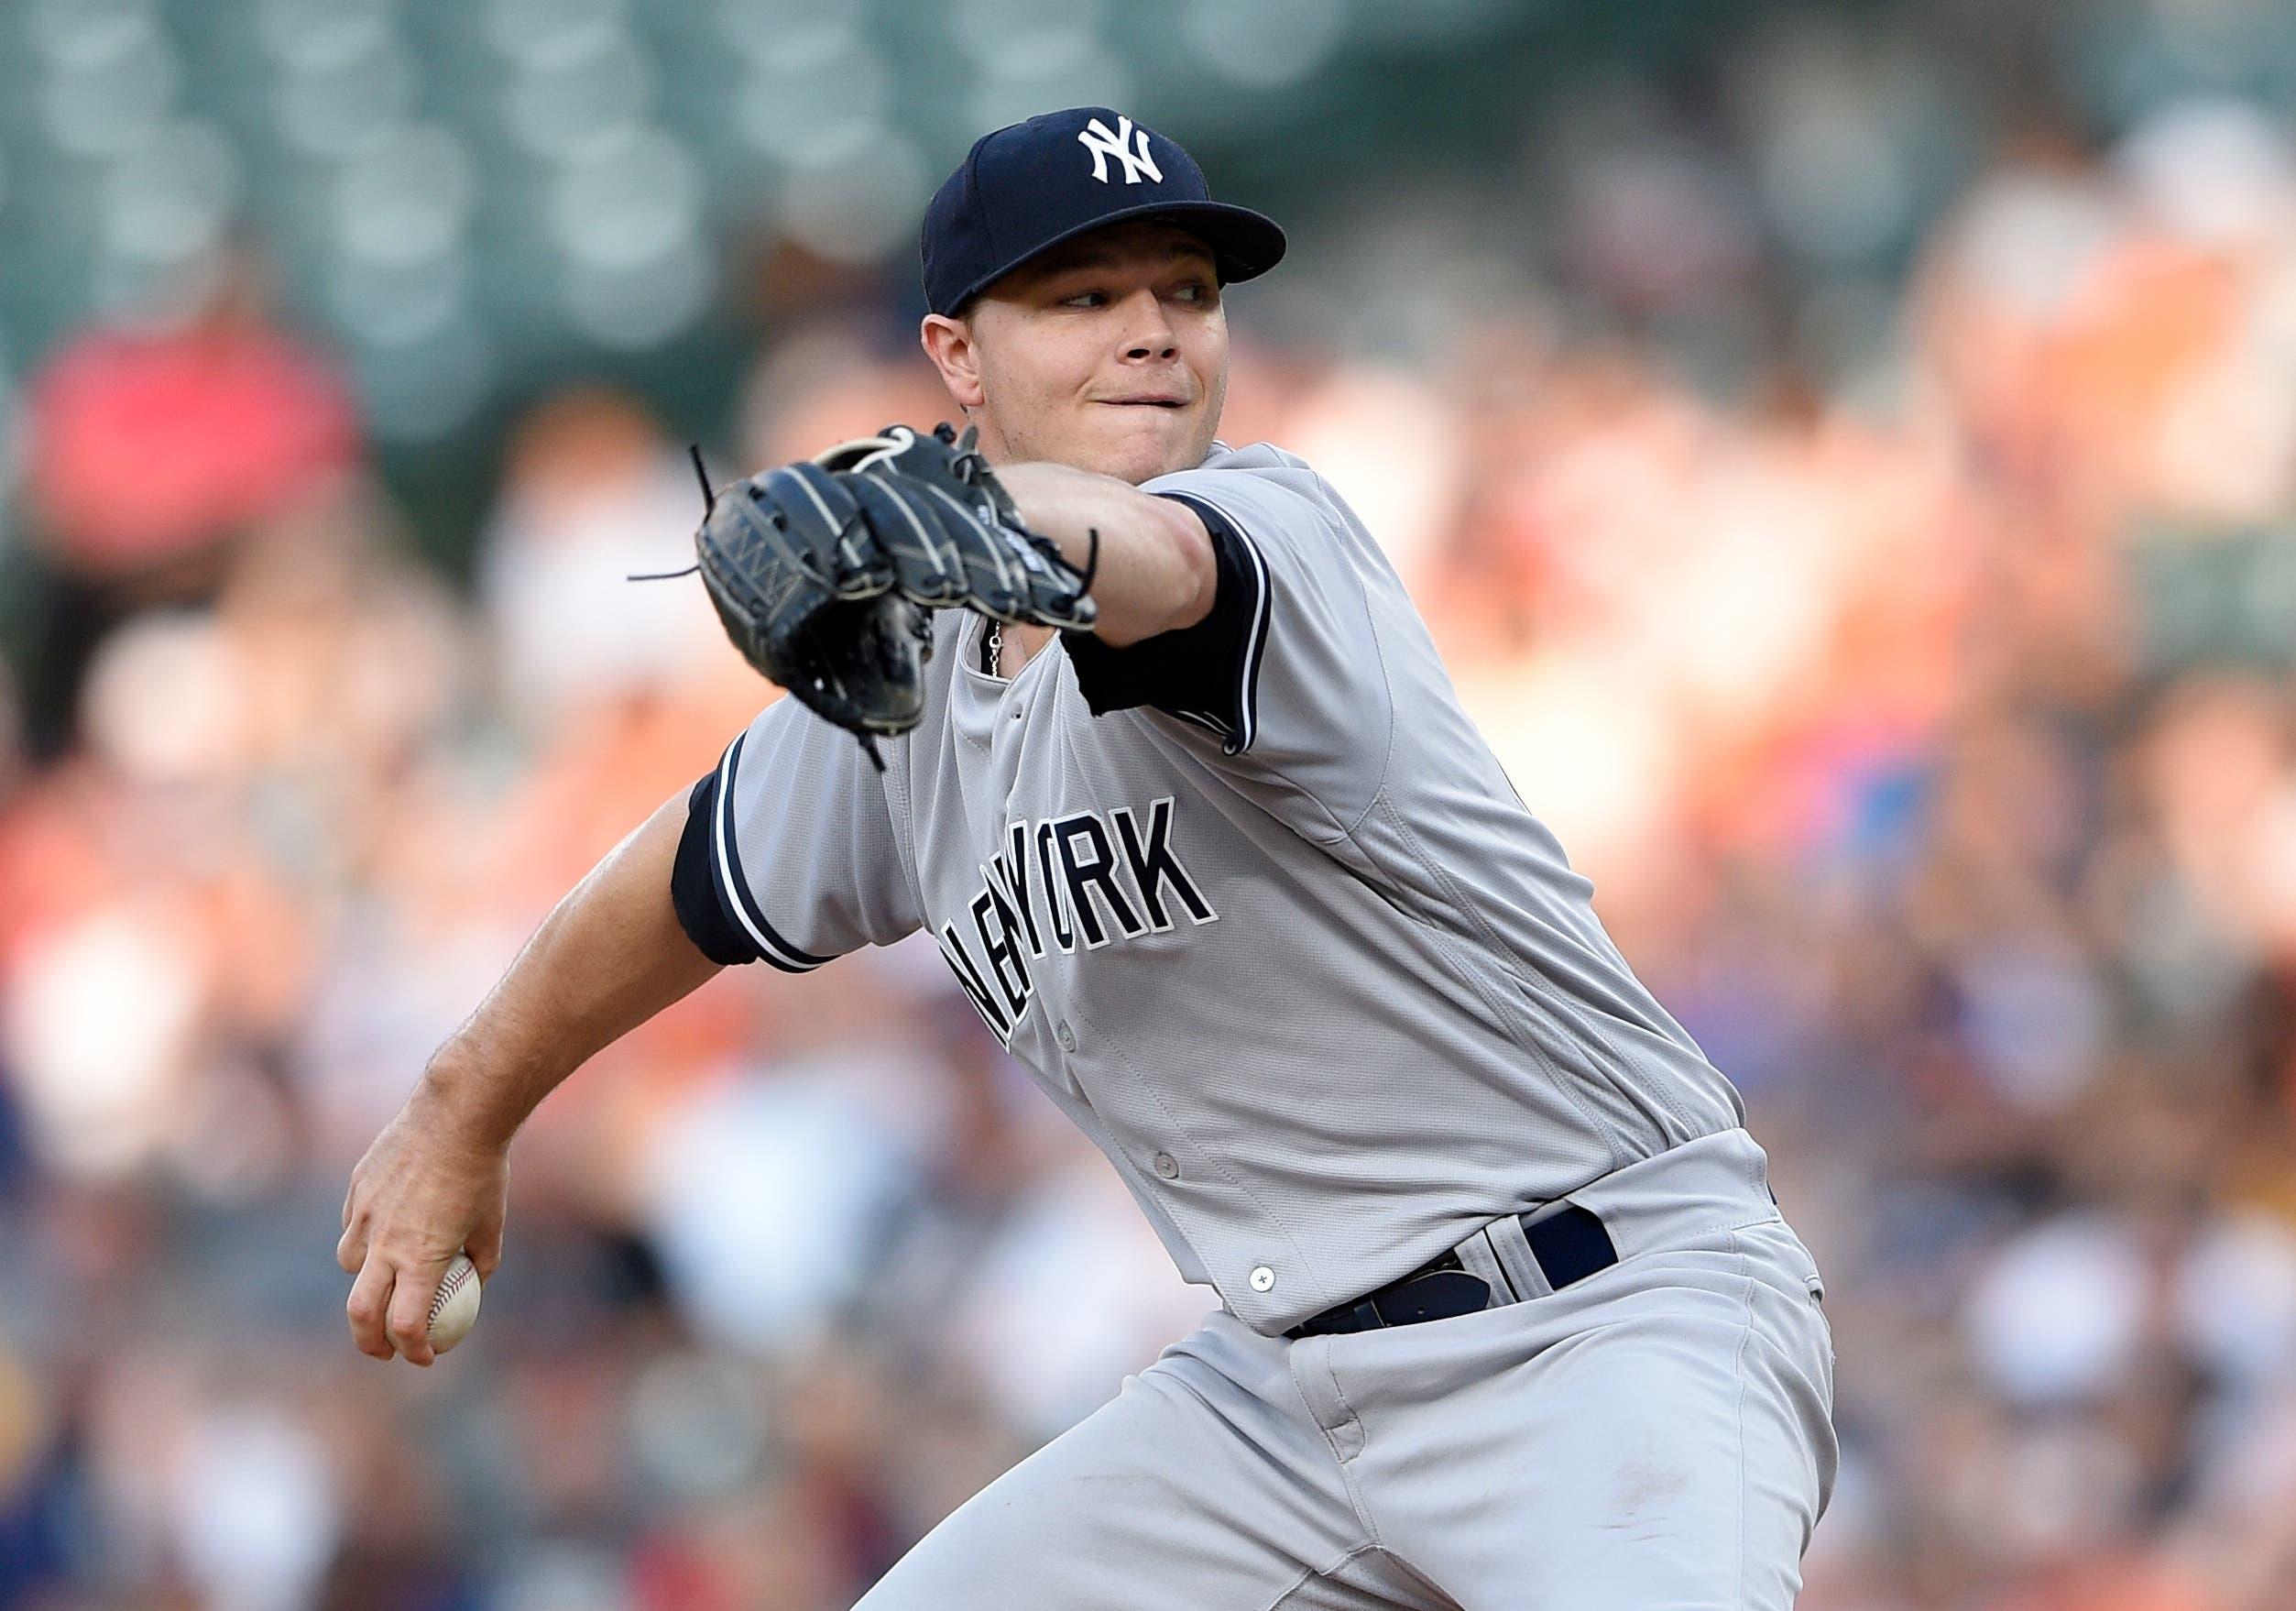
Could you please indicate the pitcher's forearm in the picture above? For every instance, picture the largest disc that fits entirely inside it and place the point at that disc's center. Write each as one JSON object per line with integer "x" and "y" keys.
{"x": 609, "y": 956}
{"x": 1155, "y": 571}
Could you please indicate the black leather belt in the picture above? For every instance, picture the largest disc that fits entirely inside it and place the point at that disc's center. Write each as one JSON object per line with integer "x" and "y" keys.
{"x": 1570, "y": 1244}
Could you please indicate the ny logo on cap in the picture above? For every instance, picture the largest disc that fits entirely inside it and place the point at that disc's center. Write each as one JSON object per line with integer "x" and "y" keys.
{"x": 1127, "y": 145}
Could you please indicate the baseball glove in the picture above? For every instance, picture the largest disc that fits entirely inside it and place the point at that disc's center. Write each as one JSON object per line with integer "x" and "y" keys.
{"x": 952, "y": 533}
{"x": 823, "y": 571}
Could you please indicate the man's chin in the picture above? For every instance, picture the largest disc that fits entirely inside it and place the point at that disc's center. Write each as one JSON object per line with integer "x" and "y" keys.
{"x": 1144, "y": 450}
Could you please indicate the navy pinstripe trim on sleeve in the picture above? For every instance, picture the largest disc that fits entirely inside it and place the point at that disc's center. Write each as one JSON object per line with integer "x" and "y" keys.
{"x": 735, "y": 889}
{"x": 1206, "y": 720}
{"x": 1248, "y": 673}
{"x": 694, "y": 893}
{"x": 1244, "y": 725}
{"x": 1207, "y": 675}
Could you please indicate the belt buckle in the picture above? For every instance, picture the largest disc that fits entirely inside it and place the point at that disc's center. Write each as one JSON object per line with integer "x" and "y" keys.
{"x": 1432, "y": 1295}
{"x": 1567, "y": 1242}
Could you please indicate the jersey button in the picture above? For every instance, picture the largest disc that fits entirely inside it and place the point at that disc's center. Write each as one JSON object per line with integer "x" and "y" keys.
{"x": 1167, "y": 1165}
{"x": 1263, "y": 1278}
{"x": 1066, "y": 1037}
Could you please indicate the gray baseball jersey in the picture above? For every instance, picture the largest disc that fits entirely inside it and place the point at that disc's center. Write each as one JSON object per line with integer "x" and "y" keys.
{"x": 1254, "y": 903}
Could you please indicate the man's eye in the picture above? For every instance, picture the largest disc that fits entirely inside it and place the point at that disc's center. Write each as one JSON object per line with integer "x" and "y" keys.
{"x": 1085, "y": 299}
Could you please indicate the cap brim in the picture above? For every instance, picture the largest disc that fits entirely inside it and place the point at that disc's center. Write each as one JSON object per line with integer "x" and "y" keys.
{"x": 1245, "y": 244}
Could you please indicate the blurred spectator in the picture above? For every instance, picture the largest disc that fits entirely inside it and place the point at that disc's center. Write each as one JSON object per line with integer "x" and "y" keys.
{"x": 146, "y": 446}
{"x": 592, "y": 494}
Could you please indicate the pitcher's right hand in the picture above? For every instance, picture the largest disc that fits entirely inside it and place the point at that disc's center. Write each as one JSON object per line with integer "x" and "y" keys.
{"x": 424, "y": 1192}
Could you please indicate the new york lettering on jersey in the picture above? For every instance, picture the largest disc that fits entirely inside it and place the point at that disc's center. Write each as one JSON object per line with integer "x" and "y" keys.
{"x": 1090, "y": 897}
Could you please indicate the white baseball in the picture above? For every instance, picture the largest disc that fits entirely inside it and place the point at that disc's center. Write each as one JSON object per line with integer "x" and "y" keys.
{"x": 455, "y": 1308}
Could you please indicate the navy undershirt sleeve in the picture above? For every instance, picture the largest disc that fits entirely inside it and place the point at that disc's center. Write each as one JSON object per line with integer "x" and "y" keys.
{"x": 1197, "y": 673}
{"x": 694, "y": 890}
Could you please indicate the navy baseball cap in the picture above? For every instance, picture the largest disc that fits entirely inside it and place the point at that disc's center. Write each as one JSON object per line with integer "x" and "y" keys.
{"x": 1032, "y": 185}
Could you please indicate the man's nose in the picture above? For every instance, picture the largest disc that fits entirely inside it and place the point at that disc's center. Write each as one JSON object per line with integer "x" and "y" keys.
{"x": 1148, "y": 333}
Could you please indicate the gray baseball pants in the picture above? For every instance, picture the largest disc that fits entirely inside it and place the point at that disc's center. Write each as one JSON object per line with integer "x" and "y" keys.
{"x": 1656, "y": 1435}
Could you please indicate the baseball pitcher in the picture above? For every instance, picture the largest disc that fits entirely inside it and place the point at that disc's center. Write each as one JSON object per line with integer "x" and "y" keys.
{"x": 1155, "y": 745}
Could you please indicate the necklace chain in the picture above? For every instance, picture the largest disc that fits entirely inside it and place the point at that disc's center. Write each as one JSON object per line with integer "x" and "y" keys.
{"x": 996, "y": 648}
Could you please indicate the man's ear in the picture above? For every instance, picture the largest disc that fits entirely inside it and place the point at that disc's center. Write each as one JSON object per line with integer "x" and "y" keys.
{"x": 949, "y": 343}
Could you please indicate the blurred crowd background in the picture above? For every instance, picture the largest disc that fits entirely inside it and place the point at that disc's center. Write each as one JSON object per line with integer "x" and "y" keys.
{"x": 1847, "y": 453}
